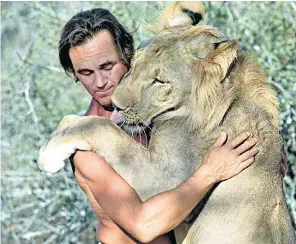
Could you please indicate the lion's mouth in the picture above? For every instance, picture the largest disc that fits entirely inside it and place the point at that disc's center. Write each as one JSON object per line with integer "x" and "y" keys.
{"x": 142, "y": 128}
{"x": 140, "y": 131}
{"x": 138, "y": 128}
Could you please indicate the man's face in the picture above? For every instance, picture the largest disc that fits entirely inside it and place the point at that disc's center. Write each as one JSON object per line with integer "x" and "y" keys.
{"x": 98, "y": 66}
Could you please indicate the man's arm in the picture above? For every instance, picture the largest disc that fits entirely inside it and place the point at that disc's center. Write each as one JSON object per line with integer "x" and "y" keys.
{"x": 163, "y": 212}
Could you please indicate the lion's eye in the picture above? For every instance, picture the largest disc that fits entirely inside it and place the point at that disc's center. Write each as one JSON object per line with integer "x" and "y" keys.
{"x": 157, "y": 81}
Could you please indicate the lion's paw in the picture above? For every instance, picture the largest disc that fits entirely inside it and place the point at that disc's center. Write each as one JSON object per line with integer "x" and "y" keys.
{"x": 52, "y": 159}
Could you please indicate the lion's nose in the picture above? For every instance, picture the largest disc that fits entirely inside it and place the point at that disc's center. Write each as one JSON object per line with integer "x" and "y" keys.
{"x": 122, "y": 99}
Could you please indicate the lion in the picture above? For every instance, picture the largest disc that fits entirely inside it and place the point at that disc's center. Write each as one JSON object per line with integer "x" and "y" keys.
{"x": 188, "y": 84}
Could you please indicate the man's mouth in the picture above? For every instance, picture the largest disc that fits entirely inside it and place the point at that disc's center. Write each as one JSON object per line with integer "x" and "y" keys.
{"x": 102, "y": 94}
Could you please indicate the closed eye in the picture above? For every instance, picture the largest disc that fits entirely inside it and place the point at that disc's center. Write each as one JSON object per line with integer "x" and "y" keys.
{"x": 107, "y": 66}
{"x": 84, "y": 72}
{"x": 157, "y": 81}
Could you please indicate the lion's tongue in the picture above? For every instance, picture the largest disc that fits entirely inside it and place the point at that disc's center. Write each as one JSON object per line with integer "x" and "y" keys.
{"x": 115, "y": 117}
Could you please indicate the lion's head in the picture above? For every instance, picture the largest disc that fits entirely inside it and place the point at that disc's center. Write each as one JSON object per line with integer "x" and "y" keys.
{"x": 190, "y": 71}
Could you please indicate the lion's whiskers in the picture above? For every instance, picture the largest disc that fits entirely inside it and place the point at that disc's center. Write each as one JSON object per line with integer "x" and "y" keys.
{"x": 145, "y": 136}
{"x": 155, "y": 132}
{"x": 152, "y": 129}
{"x": 147, "y": 125}
{"x": 139, "y": 132}
{"x": 132, "y": 133}
{"x": 138, "y": 129}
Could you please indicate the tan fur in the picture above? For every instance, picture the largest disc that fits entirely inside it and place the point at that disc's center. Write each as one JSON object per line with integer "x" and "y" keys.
{"x": 193, "y": 82}
{"x": 173, "y": 15}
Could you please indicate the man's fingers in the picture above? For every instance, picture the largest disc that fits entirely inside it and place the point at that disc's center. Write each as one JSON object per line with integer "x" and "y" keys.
{"x": 246, "y": 163}
{"x": 246, "y": 146}
{"x": 221, "y": 140}
{"x": 239, "y": 139}
{"x": 248, "y": 154}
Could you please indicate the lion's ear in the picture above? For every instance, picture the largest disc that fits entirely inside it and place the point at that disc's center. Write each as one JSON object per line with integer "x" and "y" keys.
{"x": 213, "y": 62}
{"x": 219, "y": 61}
{"x": 178, "y": 14}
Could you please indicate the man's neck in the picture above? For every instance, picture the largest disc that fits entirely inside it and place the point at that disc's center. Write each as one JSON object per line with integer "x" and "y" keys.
{"x": 96, "y": 109}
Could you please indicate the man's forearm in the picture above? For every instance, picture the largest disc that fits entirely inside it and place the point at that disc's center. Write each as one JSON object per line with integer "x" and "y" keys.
{"x": 152, "y": 218}
{"x": 163, "y": 212}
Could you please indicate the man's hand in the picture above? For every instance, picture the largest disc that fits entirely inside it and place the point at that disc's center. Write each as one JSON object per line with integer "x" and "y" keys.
{"x": 225, "y": 160}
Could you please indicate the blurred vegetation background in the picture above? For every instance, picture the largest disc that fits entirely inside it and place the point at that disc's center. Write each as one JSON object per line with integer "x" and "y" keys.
{"x": 36, "y": 94}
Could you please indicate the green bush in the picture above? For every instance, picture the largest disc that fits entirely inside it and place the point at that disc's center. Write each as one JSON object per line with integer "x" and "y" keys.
{"x": 39, "y": 208}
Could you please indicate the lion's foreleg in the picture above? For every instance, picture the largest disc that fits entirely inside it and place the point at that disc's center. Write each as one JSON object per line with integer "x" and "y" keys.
{"x": 90, "y": 133}
{"x": 61, "y": 145}
{"x": 138, "y": 165}
{"x": 73, "y": 133}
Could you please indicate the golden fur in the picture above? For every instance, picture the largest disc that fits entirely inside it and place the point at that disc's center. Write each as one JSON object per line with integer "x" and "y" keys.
{"x": 174, "y": 15}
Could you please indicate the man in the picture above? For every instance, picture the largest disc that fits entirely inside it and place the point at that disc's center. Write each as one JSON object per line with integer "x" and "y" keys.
{"x": 96, "y": 49}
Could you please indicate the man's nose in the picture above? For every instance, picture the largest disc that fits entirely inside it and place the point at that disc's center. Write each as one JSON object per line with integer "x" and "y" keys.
{"x": 100, "y": 81}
